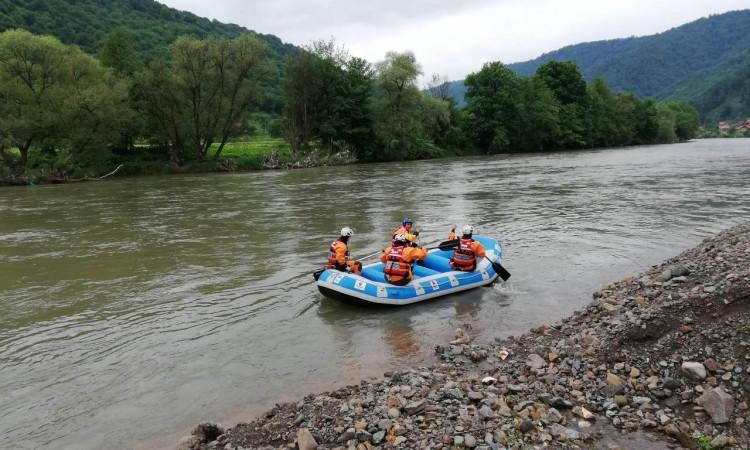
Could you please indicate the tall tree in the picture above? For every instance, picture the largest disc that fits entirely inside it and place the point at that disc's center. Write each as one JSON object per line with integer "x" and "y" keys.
{"x": 492, "y": 100}
{"x": 397, "y": 125}
{"x": 117, "y": 53}
{"x": 201, "y": 97}
{"x": 569, "y": 88}
{"x": 58, "y": 98}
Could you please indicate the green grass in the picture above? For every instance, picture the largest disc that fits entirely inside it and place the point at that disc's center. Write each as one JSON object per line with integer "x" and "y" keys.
{"x": 249, "y": 152}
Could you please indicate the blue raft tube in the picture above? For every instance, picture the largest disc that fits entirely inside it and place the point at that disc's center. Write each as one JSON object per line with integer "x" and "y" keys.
{"x": 433, "y": 277}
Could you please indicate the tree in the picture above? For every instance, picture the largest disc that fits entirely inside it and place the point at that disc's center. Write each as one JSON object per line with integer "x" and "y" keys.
{"x": 439, "y": 87}
{"x": 117, "y": 53}
{"x": 565, "y": 81}
{"x": 397, "y": 126}
{"x": 539, "y": 117}
{"x": 57, "y": 98}
{"x": 492, "y": 99}
{"x": 201, "y": 97}
{"x": 329, "y": 99}
{"x": 601, "y": 115}
{"x": 32, "y": 78}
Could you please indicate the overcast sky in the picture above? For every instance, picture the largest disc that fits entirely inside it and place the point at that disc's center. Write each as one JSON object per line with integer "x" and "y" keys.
{"x": 456, "y": 37}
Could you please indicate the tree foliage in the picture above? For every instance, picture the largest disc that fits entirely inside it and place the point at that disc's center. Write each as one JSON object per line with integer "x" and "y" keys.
{"x": 556, "y": 110}
{"x": 56, "y": 97}
{"x": 202, "y": 97}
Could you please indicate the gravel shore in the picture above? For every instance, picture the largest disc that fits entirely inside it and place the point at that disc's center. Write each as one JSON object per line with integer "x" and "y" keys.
{"x": 661, "y": 360}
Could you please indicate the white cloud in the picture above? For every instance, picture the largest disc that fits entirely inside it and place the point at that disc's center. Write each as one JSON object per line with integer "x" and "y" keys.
{"x": 455, "y": 38}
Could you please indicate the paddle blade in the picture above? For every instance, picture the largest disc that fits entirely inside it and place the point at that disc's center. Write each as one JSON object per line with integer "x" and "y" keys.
{"x": 448, "y": 245}
{"x": 500, "y": 270}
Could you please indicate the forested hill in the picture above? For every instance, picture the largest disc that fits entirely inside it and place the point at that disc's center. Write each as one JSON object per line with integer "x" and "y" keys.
{"x": 151, "y": 25}
{"x": 656, "y": 65}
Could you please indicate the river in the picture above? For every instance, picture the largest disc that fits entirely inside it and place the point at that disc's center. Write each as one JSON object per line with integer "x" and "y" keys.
{"x": 131, "y": 309}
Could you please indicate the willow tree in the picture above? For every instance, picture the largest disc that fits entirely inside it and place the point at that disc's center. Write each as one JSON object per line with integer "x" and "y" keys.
{"x": 58, "y": 98}
{"x": 201, "y": 97}
{"x": 397, "y": 111}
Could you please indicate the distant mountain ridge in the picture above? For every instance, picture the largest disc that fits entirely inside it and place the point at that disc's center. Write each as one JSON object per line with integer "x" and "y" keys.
{"x": 152, "y": 26}
{"x": 682, "y": 62}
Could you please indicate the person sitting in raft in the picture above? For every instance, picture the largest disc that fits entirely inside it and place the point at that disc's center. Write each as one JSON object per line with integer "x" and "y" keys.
{"x": 338, "y": 254}
{"x": 398, "y": 259}
{"x": 405, "y": 229}
{"x": 467, "y": 252}
{"x": 452, "y": 234}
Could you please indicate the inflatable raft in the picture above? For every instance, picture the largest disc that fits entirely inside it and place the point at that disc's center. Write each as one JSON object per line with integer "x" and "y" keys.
{"x": 433, "y": 278}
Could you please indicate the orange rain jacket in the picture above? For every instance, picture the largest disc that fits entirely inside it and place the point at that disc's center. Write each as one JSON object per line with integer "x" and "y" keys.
{"x": 409, "y": 255}
{"x": 338, "y": 257}
{"x": 402, "y": 230}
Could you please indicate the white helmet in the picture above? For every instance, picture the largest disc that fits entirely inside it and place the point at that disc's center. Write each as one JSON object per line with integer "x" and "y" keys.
{"x": 400, "y": 238}
{"x": 347, "y": 232}
{"x": 467, "y": 230}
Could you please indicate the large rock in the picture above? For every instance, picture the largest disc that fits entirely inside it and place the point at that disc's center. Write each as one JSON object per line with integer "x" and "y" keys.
{"x": 693, "y": 370}
{"x": 207, "y": 431}
{"x": 305, "y": 440}
{"x": 718, "y": 404}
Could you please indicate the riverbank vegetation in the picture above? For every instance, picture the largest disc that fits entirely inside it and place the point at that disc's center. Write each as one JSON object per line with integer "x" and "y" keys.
{"x": 222, "y": 103}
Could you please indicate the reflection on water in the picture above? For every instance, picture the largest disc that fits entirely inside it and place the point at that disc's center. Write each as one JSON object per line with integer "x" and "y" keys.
{"x": 131, "y": 309}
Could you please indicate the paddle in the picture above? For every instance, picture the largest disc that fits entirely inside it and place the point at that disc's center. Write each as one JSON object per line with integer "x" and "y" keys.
{"x": 499, "y": 269}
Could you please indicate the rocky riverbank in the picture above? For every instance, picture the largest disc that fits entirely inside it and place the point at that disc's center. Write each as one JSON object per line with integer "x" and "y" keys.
{"x": 661, "y": 360}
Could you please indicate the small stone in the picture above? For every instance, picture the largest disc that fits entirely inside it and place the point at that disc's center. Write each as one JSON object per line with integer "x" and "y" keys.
{"x": 378, "y": 437}
{"x": 470, "y": 441}
{"x": 711, "y": 364}
{"x": 399, "y": 440}
{"x": 620, "y": 400}
{"x": 458, "y": 441}
{"x": 719, "y": 441}
{"x": 693, "y": 370}
{"x": 305, "y": 440}
{"x": 635, "y": 373}
{"x": 562, "y": 433}
{"x": 614, "y": 380}
{"x": 415, "y": 407}
{"x": 582, "y": 412}
{"x": 489, "y": 380}
{"x": 535, "y": 361}
{"x": 363, "y": 436}
{"x": 394, "y": 413}
{"x": 526, "y": 426}
{"x": 671, "y": 384}
{"x": 553, "y": 416}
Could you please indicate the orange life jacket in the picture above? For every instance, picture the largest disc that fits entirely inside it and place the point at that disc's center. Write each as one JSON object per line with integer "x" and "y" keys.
{"x": 396, "y": 268}
{"x": 332, "y": 261}
{"x": 464, "y": 258}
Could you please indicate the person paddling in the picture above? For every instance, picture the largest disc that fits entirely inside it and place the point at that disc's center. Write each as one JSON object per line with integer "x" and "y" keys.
{"x": 338, "y": 254}
{"x": 398, "y": 259}
{"x": 405, "y": 230}
{"x": 452, "y": 234}
{"x": 467, "y": 252}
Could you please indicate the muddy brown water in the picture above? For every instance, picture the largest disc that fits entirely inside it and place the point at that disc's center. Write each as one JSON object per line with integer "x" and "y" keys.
{"x": 131, "y": 309}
